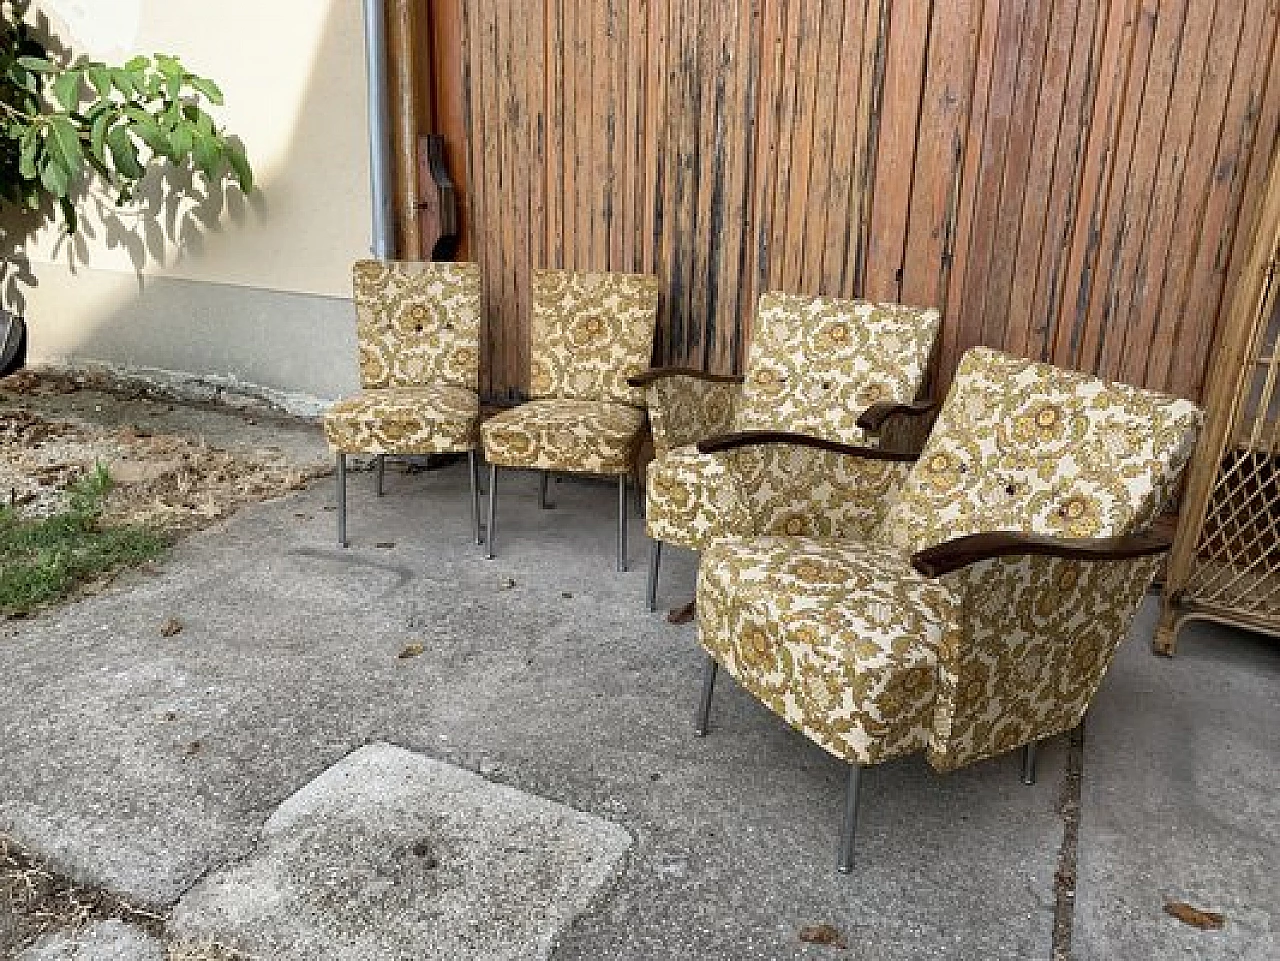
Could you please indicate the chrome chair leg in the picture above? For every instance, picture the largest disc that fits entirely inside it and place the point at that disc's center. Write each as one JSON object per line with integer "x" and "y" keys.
{"x": 491, "y": 533}
{"x": 473, "y": 465}
{"x": 703, "y": 721}
{"x": 544, "y": 479}
{"x": 341, "y": 475}
{"x": 850, "y": 827}
{"x": 382, "y": 472}
{"x": 1029, "y": 763}
{"x": 655, "y": 560}
{"x": 622, "y": 522}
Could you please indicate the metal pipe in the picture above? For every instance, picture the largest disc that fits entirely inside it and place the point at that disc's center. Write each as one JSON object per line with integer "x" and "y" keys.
{"x": 375, "y": 43}
{"x": 849, "y": 830}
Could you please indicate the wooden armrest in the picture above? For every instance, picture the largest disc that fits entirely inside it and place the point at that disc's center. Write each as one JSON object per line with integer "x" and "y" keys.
{"x": 659, "y": 373}
{"x": 751, "y": 438}
{"x": 962, "y": 551}
{"x": 873, "y": 417}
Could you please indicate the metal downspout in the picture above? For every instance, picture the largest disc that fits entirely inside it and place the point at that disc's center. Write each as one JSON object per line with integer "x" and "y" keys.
{"x": 375, "y": 41}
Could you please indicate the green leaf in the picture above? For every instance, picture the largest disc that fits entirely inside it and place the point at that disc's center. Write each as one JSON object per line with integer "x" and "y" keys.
{"x": 240, "y": 164}
{"x": 55, "y": 178}
{"x": 64, "y": 134}
{"x": 66, "y": 89}
{"x": 207, "y": 153}
{"x": 181, "y": 140}
{"x": 146, "y": 127}
{"x": 37, "y": 64}
{"x": 98, "y": 136}
{"x": 124, "y": 153}
{"x": 207, "y": 87}
{"x": 123, "y": 81}
{"x": 100, "y": 77}
{"x": 138, "y": 64}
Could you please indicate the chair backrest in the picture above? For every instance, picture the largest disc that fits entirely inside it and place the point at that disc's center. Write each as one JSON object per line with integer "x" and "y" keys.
{"x": 417, "y": 323}
{"x": 1023, "y": 446}
{"x": 590, "y": 332}
{"x": 816, "y": 363}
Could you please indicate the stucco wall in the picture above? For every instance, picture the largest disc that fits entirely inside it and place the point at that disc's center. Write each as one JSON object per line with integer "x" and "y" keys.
{"x": 254, "y": 290}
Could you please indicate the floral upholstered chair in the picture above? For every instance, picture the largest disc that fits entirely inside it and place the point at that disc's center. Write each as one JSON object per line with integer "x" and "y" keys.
{"x": 978, "y": 610}
{"x": 830, "y": 368}
{"x": 418, "y": 331}
{"x": 589, "y": 333}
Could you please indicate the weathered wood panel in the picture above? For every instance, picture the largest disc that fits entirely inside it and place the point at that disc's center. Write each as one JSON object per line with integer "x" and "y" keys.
{"x": 1065, "y": 178}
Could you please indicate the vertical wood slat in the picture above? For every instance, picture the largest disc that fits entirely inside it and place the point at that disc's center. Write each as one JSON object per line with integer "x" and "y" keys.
{"x": 1063, "y": 178}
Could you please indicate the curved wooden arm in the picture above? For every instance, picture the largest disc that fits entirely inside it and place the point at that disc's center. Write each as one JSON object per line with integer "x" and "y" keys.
{"x": 962, "y": 551}
{"x": 751, "y": 438}
{"x": 659, "y": 373}
{"x": 873, "y": 417}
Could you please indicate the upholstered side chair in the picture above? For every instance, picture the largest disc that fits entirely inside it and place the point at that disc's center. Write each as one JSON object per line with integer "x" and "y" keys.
{"x": 821, "y": 366}
{"x": 977, "y": 608}
{"x": 418, "y": 333}
{"x": 589, "y": 332}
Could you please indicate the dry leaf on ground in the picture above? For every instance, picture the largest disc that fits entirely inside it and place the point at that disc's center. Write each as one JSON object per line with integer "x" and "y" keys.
{"x": 823, "y": 934}
{"x": 682, "y": 615}
{"x": 410, "y": 650}
{"x": 171, "y": 627}
{"x": 1204, "y": 920}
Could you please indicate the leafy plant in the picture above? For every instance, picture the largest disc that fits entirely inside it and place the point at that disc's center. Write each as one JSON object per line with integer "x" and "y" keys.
{"x": 61, "y": 123}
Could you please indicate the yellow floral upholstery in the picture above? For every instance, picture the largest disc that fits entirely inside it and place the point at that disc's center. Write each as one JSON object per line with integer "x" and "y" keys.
{"x": 845, "y": 640}
{"x": 418, "y": 331}
{"x": 565, "y": 435}
{"x": 590, "y": 332}
{"x": 816, "y": 364}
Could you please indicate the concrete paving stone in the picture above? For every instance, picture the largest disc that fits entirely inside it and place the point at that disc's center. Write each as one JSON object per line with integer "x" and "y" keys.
{"x": 1181, "y": 800}
{"x": 392, "y": 855}
{"x": 101, "y": 941}
{"x": 143, "y": 763}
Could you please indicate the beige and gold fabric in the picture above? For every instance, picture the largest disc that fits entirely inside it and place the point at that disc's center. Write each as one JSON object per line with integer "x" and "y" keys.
{"x": 842, "y": 636}
{"x": 816, "y": 364}
{"x": 589, "y": 333}
{"x": 418, "y": 333}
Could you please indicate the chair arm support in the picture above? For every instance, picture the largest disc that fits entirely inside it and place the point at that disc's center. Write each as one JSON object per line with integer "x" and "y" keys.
{"x": 960, "y": 552}
{"x": 659, "y": 373}
{"x": 750, "y": 438}
{"x": 873, "y": 418}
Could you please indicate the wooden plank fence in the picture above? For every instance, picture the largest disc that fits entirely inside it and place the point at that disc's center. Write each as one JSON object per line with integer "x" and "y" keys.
{"x": 1065, "y": 178}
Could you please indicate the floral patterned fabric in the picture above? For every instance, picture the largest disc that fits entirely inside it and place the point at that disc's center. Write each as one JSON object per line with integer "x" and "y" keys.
{"x": 816, "y": 364}
{"x": 1021, "y": 446}
{"x": 589, "y": 333}
{"x": 1015, "y": 646}
{"x": 404, "y": 420}
{"x": 565, "y": 435}
{"x": 417, "y": 323}
{"x": 418, "y": 330}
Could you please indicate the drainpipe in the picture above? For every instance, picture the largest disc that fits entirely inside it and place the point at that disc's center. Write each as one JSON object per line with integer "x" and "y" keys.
{"x": 375, "y": 43}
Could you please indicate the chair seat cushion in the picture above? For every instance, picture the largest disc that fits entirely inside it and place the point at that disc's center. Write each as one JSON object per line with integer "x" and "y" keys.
{"x": 838, "y": 638}
{"x": 576, "y": 436}
{"x": 432, "y": 419}
{"x": 691, "y": 499}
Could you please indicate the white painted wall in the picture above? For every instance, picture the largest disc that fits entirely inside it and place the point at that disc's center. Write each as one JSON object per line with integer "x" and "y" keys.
{"x": 293, "y": 75}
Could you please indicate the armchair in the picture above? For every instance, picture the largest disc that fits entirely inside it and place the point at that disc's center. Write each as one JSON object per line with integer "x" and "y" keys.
{"x": 977, "y": 611}
{"x": 836, "y": 369}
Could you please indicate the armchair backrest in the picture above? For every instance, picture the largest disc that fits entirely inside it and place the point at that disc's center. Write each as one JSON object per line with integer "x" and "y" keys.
{"x": 417, "y": 323}
{"x": 589, "y": 333}
{"x": 816, "y": 363}
{"x": 1023, "y": 446}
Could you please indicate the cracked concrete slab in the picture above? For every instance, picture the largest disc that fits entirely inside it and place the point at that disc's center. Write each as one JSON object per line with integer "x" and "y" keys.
{"x": 392, "y": 855}
{"x": 102, "y": 941}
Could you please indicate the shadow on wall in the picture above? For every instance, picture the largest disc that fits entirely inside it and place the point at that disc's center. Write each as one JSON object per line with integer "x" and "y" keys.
{"x": 179, "y": 217}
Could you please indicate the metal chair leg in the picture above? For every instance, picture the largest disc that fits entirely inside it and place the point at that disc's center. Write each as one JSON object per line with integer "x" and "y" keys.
{"x": 341, "y": 475}
{"x": 473, "y": 465}
{"x": 622, "y": 522}
{"x": 1029, "y": 763}
{"x": 382, "y": 472}
{"x": 544, "y": 479}
{"x": 491, "y": 533}
{"x": 850, "y": 827}
{"x": 655, "y": 561}
{"x": 703, "y": 721}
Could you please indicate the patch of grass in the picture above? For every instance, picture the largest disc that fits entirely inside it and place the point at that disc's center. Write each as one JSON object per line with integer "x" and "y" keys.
{"x": 44, "y": 559}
